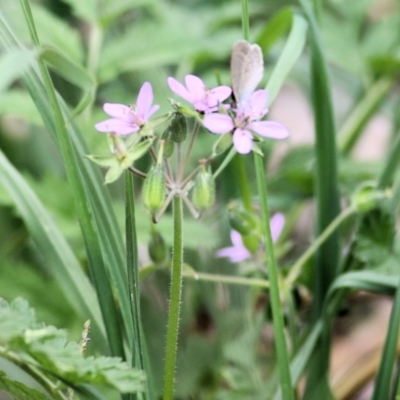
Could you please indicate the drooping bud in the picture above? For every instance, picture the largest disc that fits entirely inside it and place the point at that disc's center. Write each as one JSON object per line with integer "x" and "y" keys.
{"x": 178, "y": 127}
{"x": 158, "y": 250}
{"x": 168, "y": 142}
{"x": 241, "y": 220}
{"x": 203, "y": 195}
{"x": 252, "y": 242}
{"x": 154, "y": 189}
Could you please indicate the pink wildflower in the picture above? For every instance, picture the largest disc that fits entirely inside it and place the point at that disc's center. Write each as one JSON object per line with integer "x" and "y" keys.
{"x": 238, "y": 252}
{"x": 246, "y": 119}
{"x": 126, "y": 119}
{"x": 203, "y": 99}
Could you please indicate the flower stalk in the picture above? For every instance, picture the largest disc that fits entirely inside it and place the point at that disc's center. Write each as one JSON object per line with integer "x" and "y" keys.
{"x": 175, "y": 301}
{"x": 277, "y": 313}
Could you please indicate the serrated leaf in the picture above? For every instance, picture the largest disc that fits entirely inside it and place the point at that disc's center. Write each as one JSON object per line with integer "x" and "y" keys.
{"x": 47, "y": 348}
{"x": 18, "y": 390}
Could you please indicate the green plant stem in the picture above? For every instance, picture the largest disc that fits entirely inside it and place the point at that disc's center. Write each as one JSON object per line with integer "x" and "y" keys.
{"x": 133, "y": 282}
{"x": 189, "y": 150}
{"x": 175, "y": 301}
{"x": 388, "y": 172}
{"x": 245, "y": 19}
{"x": 243, "y": 180}
{"x": 34, "y": 372}
{"x": 232, "y": 280}
{"x": 277, "y": 313}
{"x": 353, "y": 126}
{"x": 330, "y": 229}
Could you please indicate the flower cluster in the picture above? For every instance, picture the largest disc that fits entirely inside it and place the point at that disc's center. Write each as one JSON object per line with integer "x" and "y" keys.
{"x": 241, "y": 119}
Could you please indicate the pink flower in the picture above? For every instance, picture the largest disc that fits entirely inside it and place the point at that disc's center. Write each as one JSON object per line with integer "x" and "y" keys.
{"x": 203, "y": 99}
{"x": 247, "y": 119}
{"x": 238, "y": 251}
{"x": 126, "y": 119}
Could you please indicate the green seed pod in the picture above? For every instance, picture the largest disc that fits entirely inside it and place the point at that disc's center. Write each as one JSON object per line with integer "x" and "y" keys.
{"x": 203, "y": 195}
{"x": 168, "y": 143}
{"x": 222, "y": 144}
{"x": 242, "y": 221}
{"x": 178, "y": 127}
{"x": 154, "y": 189}
{"x": 252, "y": 242}
{"x": 158, "y": 250}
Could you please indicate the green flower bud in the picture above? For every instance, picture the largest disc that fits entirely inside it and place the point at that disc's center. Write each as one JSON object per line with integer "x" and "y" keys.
{"x": 367, "y": 197}
{"x": 178, "y": 127}
{"x": 203, "y": 195}
{"x": 168, "y": 143}
{"x": 154, "y": 189}
{"x": 252, "y": 242}
{"x": 158, "y": 250}
{"x": 242, "y": 221}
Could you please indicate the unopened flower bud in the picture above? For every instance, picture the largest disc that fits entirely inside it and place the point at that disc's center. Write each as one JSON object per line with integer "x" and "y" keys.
{"x": 204, "y": 190}
{"x": 154, "y": 189}
{"x": 252, "y": 242}
{"x": 168, "y": 143}
{"x": 158, "y": 250}
{"x": 178, "y": 127}
{"x": 367, "y": 197}
{"x": 242, "y": 221}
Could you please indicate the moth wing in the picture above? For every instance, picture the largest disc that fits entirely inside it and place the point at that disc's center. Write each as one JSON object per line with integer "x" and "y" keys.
{"x": 247, "y": 69}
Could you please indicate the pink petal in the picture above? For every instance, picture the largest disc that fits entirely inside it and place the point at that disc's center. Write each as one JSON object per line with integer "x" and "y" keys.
{"x": 195, "y": 87}
{"x": 270, "y": 129}
{"x": 144, "y": 100}
{"x": 258, "y": 100}
{"x": 152, "y": 110}
{"x": 116, "y": 126}
{"x": 277, "y": 222}
{"x": 179, "y": 89}
{"x": 242, "y": 141}
{"x": 119, "y": 111}
{"x": 218, "y": 123}
{"x": 219, "y": 94}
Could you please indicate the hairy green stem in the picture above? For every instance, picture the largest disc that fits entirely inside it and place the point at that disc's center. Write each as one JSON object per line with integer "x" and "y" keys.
{"x": 174, "y": 301}
{"x": 296, "y": 268}
{"x": 273, "y": 274}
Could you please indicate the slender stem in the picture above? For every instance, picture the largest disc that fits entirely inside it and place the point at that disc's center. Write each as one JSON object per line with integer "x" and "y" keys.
{"x": 233, "y": 280}
{"x": 353, "y": 126}
{"x": 133, "y": 276}
{"x": 189, "y": 177}
{"x": 245, "y": 19}
{"x": 175, "y": 301}
{"x": 296, "y": 268}
{"x": 137, "y": 172}
{"x": 196, "y": 128}
{"x": 34, "y": 372}
{"x": 243, "y": 182}
{"x": 178, "y": 160}
{"x": 277, "y": 313}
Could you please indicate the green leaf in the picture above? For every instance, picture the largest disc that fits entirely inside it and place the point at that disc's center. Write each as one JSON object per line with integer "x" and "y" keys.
{"x": 13, "y": 64}
{"x": 103, "y": 161}
{"x": 46, "y": 348}
{"x": 62, "y": 261}
{"x": 19, "y": 390}
{"x": 275, "y": 29}
{"x": 290, "y": 54}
